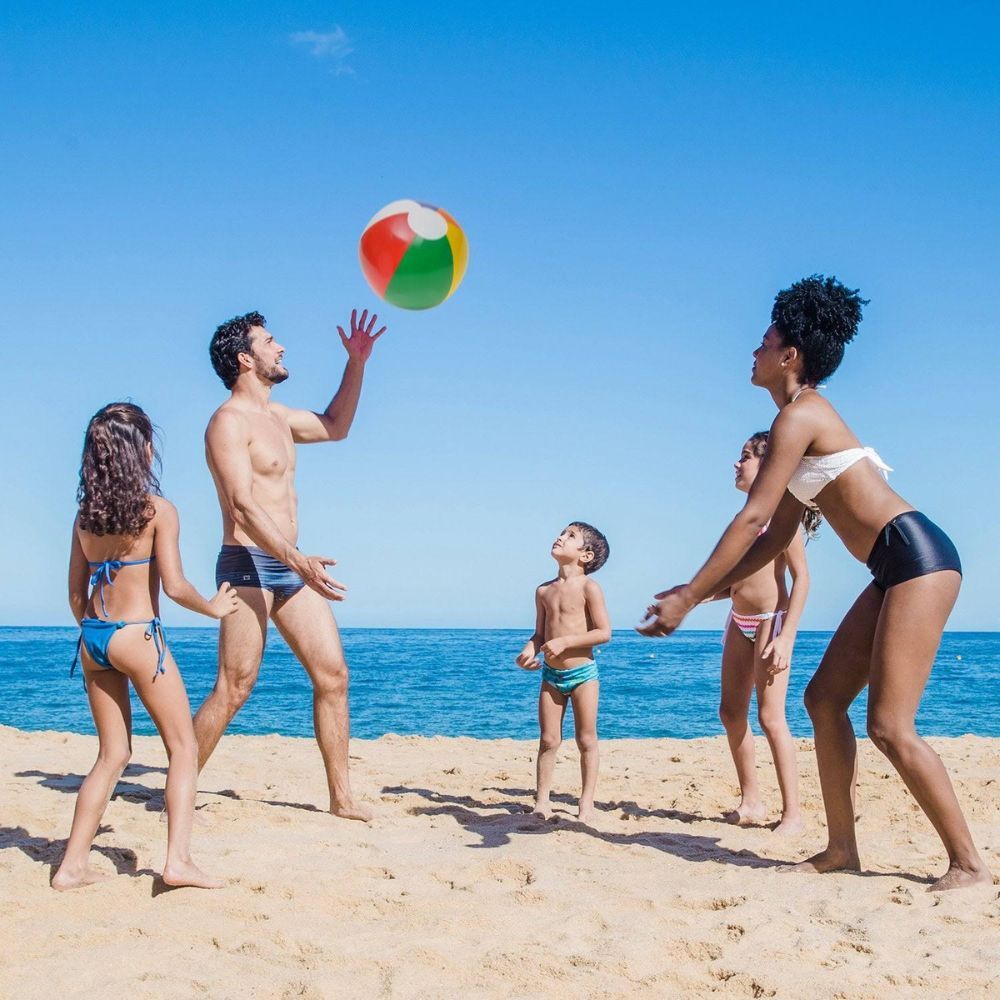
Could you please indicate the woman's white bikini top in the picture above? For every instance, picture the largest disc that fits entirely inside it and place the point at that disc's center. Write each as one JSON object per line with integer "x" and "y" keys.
{"x": 816, "y": 471}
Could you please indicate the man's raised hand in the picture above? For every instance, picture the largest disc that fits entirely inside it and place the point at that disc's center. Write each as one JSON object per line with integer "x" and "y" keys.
{"x": 359, "y": 344}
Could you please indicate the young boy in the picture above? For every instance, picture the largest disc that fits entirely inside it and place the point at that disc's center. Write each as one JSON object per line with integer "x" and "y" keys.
{"x": 571, "y": 619}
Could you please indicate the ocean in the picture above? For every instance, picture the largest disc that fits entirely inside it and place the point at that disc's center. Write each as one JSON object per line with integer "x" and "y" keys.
{"x": 464, "y": 682}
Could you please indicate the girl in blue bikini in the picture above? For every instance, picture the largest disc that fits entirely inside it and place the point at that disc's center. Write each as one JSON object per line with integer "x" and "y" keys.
{"x": 124, "y": 545}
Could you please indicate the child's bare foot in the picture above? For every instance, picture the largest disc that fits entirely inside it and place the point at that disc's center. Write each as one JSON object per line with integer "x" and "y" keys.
{"x": 587, "y": 813}
{"x": 542, "y": 808}
{"x": 961, "y": 878}
{"x": 790, "y": 826}
{"x": 352, "y": 810}
{"x": 746, "y": 815}
{"x": 63, "y": 879}
{"x": 187, "y": 873}
{"x": 830, "y": 860}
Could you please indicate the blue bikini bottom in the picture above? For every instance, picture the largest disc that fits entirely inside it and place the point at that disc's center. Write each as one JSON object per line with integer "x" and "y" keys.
{"x": 96, "y": 633}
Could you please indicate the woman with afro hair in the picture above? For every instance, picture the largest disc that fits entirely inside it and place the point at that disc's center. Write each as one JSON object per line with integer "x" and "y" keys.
{"x": 890, "y": 636}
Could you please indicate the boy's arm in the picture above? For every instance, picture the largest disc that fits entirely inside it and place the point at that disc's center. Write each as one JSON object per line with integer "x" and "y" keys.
{"x": 528, "y": 657}
{"x": 779, "y": 649}
{"x": 597, "y": 613}
{"x": 334, "y": 423}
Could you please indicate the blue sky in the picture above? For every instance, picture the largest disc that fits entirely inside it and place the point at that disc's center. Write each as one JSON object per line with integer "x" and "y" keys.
{"x": 635, "y": 185}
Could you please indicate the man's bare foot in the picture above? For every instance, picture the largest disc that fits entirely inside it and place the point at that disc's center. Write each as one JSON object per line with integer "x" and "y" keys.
{"x": 587, "y": 813}
{"x": 542, "y": 808}
{"x": 189, "y": 874}
{"x": 64, "y": 880}
{"x": 826, "y": 861}
{"x": 352, "y": 810}
{"x": 744, "y": 815}
{"x": 961, "y": 878}
{"x": 790, "y": 826}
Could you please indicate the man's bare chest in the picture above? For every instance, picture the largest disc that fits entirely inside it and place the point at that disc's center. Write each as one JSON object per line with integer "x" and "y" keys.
{"x": 272, "y": 451}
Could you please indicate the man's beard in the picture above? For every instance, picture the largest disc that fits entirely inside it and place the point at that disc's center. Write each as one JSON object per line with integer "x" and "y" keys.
{"x": 275, "y": 375}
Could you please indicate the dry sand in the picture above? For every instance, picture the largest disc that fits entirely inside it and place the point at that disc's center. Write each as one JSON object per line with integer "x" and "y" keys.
{"x": 454, "y": 891}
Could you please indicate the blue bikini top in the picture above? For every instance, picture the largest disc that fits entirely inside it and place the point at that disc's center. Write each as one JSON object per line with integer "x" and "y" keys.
{"x": 102, "y": 574}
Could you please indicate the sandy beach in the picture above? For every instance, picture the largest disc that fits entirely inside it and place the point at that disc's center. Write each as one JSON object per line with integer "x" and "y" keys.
{"x": 455, "y": 890}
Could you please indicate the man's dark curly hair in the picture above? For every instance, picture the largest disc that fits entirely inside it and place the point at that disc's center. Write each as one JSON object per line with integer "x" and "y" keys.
{"x": 820, "y": 317}
{"x": 230, "y": 340}
{"x": 596, "y": 543}
{"x": 117, "y": 476}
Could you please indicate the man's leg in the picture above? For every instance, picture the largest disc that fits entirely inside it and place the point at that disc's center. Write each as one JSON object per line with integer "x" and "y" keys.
{"x": 308, "y": 626}
{"x": 241, "y": 648}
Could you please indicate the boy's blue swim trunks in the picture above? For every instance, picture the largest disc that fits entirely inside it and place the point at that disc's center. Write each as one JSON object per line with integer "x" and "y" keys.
{"x": 567, "y": 681}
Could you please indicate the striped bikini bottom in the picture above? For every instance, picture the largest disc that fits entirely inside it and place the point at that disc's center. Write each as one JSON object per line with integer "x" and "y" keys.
{"x": 748, "y": 624}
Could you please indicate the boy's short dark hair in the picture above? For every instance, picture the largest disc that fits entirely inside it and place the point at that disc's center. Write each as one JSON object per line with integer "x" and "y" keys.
{"x": 229, "y": 341}
{"x": 596, "y": 542}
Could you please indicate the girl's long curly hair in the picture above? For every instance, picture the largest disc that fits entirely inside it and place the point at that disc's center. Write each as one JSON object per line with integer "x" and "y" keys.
{"x": 811, "y": 519}
{"x": 117, "y": 472}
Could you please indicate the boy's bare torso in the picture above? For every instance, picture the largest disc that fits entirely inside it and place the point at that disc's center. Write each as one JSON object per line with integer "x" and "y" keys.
{"x": 272, "y": 459}
{"x": 565, "y": 604}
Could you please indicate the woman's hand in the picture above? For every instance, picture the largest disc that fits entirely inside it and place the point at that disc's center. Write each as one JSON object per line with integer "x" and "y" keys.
{"x": 668, "y": 611}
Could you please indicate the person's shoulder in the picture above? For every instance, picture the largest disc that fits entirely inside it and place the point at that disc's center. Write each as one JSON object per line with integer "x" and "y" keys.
{"x": 227, "y": 419}
{"x": 591, "y": 586}
{"x": 161, "y": 505}
{"x": 543, "y": 587}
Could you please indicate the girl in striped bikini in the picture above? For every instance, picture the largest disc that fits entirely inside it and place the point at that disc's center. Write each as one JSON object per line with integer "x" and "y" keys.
{"x": 757, "y": 652}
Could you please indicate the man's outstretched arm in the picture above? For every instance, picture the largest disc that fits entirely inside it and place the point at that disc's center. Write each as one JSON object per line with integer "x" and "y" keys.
{"x": 335, "y": 421}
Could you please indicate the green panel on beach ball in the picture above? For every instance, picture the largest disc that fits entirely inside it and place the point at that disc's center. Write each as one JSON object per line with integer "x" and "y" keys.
{"x": 423, "y": 277}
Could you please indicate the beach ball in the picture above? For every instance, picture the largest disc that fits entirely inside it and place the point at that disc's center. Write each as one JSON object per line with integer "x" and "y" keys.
{"x": 413, "y": 254}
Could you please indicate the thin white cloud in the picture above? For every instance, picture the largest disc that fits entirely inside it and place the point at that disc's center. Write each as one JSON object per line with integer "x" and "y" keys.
{"x": 325, "y": 44}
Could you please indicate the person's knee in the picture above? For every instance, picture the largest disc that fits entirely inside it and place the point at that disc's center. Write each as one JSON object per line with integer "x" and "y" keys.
{"x": 732, "y": 716}
{"x": 587, "y": 741}
{"x": 889, "y": 734}
{"x": 772, "y": 721}
{"x": 549, "y": 741}
{"x": 331, "y": 679}
{"x": 114, "y": 758}
{"x": 236, "y": 690}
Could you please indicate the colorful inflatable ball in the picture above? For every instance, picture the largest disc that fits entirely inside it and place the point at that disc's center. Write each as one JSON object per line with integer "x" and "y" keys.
{"x": 413, "y": 255}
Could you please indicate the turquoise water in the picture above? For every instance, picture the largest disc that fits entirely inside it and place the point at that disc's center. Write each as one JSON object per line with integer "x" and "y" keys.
{"x": 464, "y": 682}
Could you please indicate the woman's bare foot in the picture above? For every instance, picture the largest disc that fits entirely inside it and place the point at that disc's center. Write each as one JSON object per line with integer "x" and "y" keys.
{"x": 587, "y": 813}
{"x": 352, "y": 810}
{"x": 746, "y": 815}
{"x": 961, "y": 878}
{"x": 790, "y": 826}
{"x": 187, "y": 873}
{"x": 64, "y": 880}
{"x": 542, "y": 808}
{"x": 829, "y": 860}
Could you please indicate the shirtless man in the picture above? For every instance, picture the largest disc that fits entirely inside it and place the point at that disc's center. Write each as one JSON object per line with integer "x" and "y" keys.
{"x": 250, "y": 446}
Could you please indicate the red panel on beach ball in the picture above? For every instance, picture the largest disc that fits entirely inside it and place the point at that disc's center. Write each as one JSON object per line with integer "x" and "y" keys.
{"x": 382, "y": 248}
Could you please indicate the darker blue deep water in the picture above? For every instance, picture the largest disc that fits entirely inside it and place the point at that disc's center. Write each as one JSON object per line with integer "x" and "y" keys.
{"x": 465, "y": 683}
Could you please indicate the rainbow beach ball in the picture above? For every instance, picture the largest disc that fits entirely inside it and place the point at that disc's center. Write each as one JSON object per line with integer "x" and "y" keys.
{"x": 413, "y": 255}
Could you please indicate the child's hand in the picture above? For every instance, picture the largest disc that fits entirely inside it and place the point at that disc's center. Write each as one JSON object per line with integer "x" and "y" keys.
{"x": 225, "y": 602}
{"x": 527, "y": 659}
{"x": 779, "y": 652}
{"x": 555, "y": 648}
